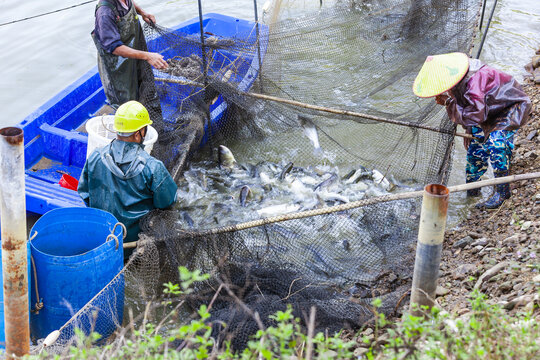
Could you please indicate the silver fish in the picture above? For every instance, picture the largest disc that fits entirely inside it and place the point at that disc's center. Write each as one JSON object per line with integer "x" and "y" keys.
{"x": 310, "y": 131}
{"x": 226, "y": 158}
{"x": 245, "y": 194}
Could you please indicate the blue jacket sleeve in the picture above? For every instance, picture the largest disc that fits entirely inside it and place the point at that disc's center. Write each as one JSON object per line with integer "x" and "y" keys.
{"x": 106, "y": 29}
{"x": 163, "y": 186}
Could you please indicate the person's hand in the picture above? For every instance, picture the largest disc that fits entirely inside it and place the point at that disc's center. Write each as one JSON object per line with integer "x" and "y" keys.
{"x": 467, "y": 141}
{"x": 156, "y": 60}
{"x": 441, "y": 99}
{"x": 149, "y": 18}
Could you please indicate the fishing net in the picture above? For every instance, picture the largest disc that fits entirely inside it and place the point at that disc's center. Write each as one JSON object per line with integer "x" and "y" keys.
{"x": 309, "y": 212}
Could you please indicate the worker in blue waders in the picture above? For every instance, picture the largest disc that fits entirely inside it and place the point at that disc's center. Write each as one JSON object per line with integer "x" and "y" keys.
{"x": 488, "y": 103}
{"x": 122, "y": 178}
{"x": 124, "y": 61}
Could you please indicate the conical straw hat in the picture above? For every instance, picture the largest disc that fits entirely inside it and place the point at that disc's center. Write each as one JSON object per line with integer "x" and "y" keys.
{"x": 440, "y": 73}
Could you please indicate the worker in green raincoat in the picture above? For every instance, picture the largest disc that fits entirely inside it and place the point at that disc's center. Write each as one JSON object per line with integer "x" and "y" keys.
{"x": 124, "y": 61}
{"x": 122, "y": 178}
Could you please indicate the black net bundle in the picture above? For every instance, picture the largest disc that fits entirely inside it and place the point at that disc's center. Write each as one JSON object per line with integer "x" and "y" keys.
{"x": 304, "y": 215}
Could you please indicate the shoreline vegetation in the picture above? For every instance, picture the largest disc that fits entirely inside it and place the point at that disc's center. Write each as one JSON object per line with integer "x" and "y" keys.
{"x": 488, "y": 296}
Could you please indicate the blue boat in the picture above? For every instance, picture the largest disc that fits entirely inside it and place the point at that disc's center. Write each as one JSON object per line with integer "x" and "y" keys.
{"x": 54, "y": 138}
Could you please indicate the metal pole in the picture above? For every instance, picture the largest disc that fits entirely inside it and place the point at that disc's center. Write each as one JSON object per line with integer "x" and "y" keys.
{"x": 429, "y": 246}
{"x": 486, "y": 31}
{"x": 482, "y": 16}
{"x": 203, "y": 47}
{"x": 259, "y": 73}
{"x": 14, "y": 251}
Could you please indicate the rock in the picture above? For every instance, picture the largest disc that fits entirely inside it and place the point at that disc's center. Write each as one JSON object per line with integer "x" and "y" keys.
{"x": 505, "y": 286}
{"x": 482, "y": 242}
{"x": 441, "y": 291}
{"x": 477, "y": 248}
{"x": 535, "y": 61}
{"x": 532, "y": 134}
{"x": 329, "y": 354}
{"x": 360, "y": 351}
{"x": 463, "y": 271}
{"x": 474, "y": 235}
{"x": 511, "y": 239}
{"x": 383, "y": 338}
{"x": 463, "y": 242}
{"x": 392, "y": 277}
{"x": 526, "y": 225}
{"x": 519, "y": 301}
{"x": 367, "y": 332}
{"x": 530, "y": 155}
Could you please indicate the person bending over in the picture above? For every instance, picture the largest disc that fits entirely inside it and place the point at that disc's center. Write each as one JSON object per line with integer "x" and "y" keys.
{"x": 488, "y": 103}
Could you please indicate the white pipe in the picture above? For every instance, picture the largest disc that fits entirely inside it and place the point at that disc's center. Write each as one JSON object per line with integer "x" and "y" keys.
{"x": 429, "y": 246}
{"x": 14, "y": 250}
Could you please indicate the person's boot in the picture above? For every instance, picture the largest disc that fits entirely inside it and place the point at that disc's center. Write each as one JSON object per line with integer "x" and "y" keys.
{"x": 502, "y": 192}
{"x": 472, "y": 192}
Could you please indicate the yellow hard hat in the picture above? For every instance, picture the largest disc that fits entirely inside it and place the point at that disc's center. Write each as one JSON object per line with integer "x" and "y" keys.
{"x": 440, "y": 73}
{"x": 130, "y": 117}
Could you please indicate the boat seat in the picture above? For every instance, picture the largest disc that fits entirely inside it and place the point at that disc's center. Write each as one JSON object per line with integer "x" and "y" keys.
{"x": 42, "y": 196}
{"x": 66, "y": 146}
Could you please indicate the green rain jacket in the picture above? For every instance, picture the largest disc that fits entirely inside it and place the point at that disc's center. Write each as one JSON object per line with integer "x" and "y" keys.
{"x": 125, "y": 180}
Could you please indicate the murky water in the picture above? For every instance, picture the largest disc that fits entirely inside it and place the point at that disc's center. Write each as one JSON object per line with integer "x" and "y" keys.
{"x": 41, "y": 56}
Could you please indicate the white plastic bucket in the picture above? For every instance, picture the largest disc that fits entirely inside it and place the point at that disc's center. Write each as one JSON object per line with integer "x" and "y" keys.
{"x": 99, "y": 136}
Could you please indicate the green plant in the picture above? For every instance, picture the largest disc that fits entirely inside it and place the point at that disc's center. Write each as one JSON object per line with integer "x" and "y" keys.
{"x": 487, "y": 332}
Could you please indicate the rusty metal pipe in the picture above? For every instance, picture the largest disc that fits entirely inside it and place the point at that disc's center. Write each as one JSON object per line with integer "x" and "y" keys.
{"x": 14, "y": 250}
{"x": 429, "y": 246}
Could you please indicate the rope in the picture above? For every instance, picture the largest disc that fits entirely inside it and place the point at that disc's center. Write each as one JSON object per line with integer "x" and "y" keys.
{"x": 47, "y": 13}
{"x": 39, "y": 302}
{"x": 348, "y": 206}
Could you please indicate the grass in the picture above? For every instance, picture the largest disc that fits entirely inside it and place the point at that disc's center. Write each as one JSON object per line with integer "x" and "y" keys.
{"x": 487, "y": 332}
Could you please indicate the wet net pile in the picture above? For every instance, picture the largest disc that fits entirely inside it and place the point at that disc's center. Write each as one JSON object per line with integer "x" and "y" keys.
{"x": 339, "y": 239}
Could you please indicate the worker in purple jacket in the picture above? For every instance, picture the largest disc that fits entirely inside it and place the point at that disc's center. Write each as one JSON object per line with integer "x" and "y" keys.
{"x": 488, "y": 103}
{"x": 124, "y": 61}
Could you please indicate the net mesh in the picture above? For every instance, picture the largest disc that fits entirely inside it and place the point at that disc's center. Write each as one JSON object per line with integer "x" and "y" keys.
{"x": 353, "y": 242}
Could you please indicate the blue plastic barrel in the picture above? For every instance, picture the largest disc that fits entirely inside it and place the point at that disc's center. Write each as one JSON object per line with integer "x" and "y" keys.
{"x": 2, "y": 320}
{"x": 75, "y": 258}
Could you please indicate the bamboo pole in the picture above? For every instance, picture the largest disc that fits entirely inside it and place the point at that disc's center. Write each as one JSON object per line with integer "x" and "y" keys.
{"x": 350, "y": 113}
{"x": 325, "y": 109}
{"x": 14, "y": 250}
{"x": 429, "y": 247}
{"x": 352, "y": 205}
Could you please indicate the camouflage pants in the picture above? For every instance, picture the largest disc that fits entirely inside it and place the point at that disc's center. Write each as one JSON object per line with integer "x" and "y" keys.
{"x": 496, "y": 150}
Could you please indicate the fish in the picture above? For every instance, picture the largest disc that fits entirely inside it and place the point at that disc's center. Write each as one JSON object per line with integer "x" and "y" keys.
{"x": 280, "y": 209}
{"x": 189, "y": 221}
{"x": 356, "y": 176}
{"x": 381, "y": 180}
{"x": 286, "y": 169}
{"x": 327, "y": 183}
{"x": 331, "y": 196}
{"x": 245, "y": 194}
{"x": 310, "y": 130}
{"x": 226, "y": 158}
